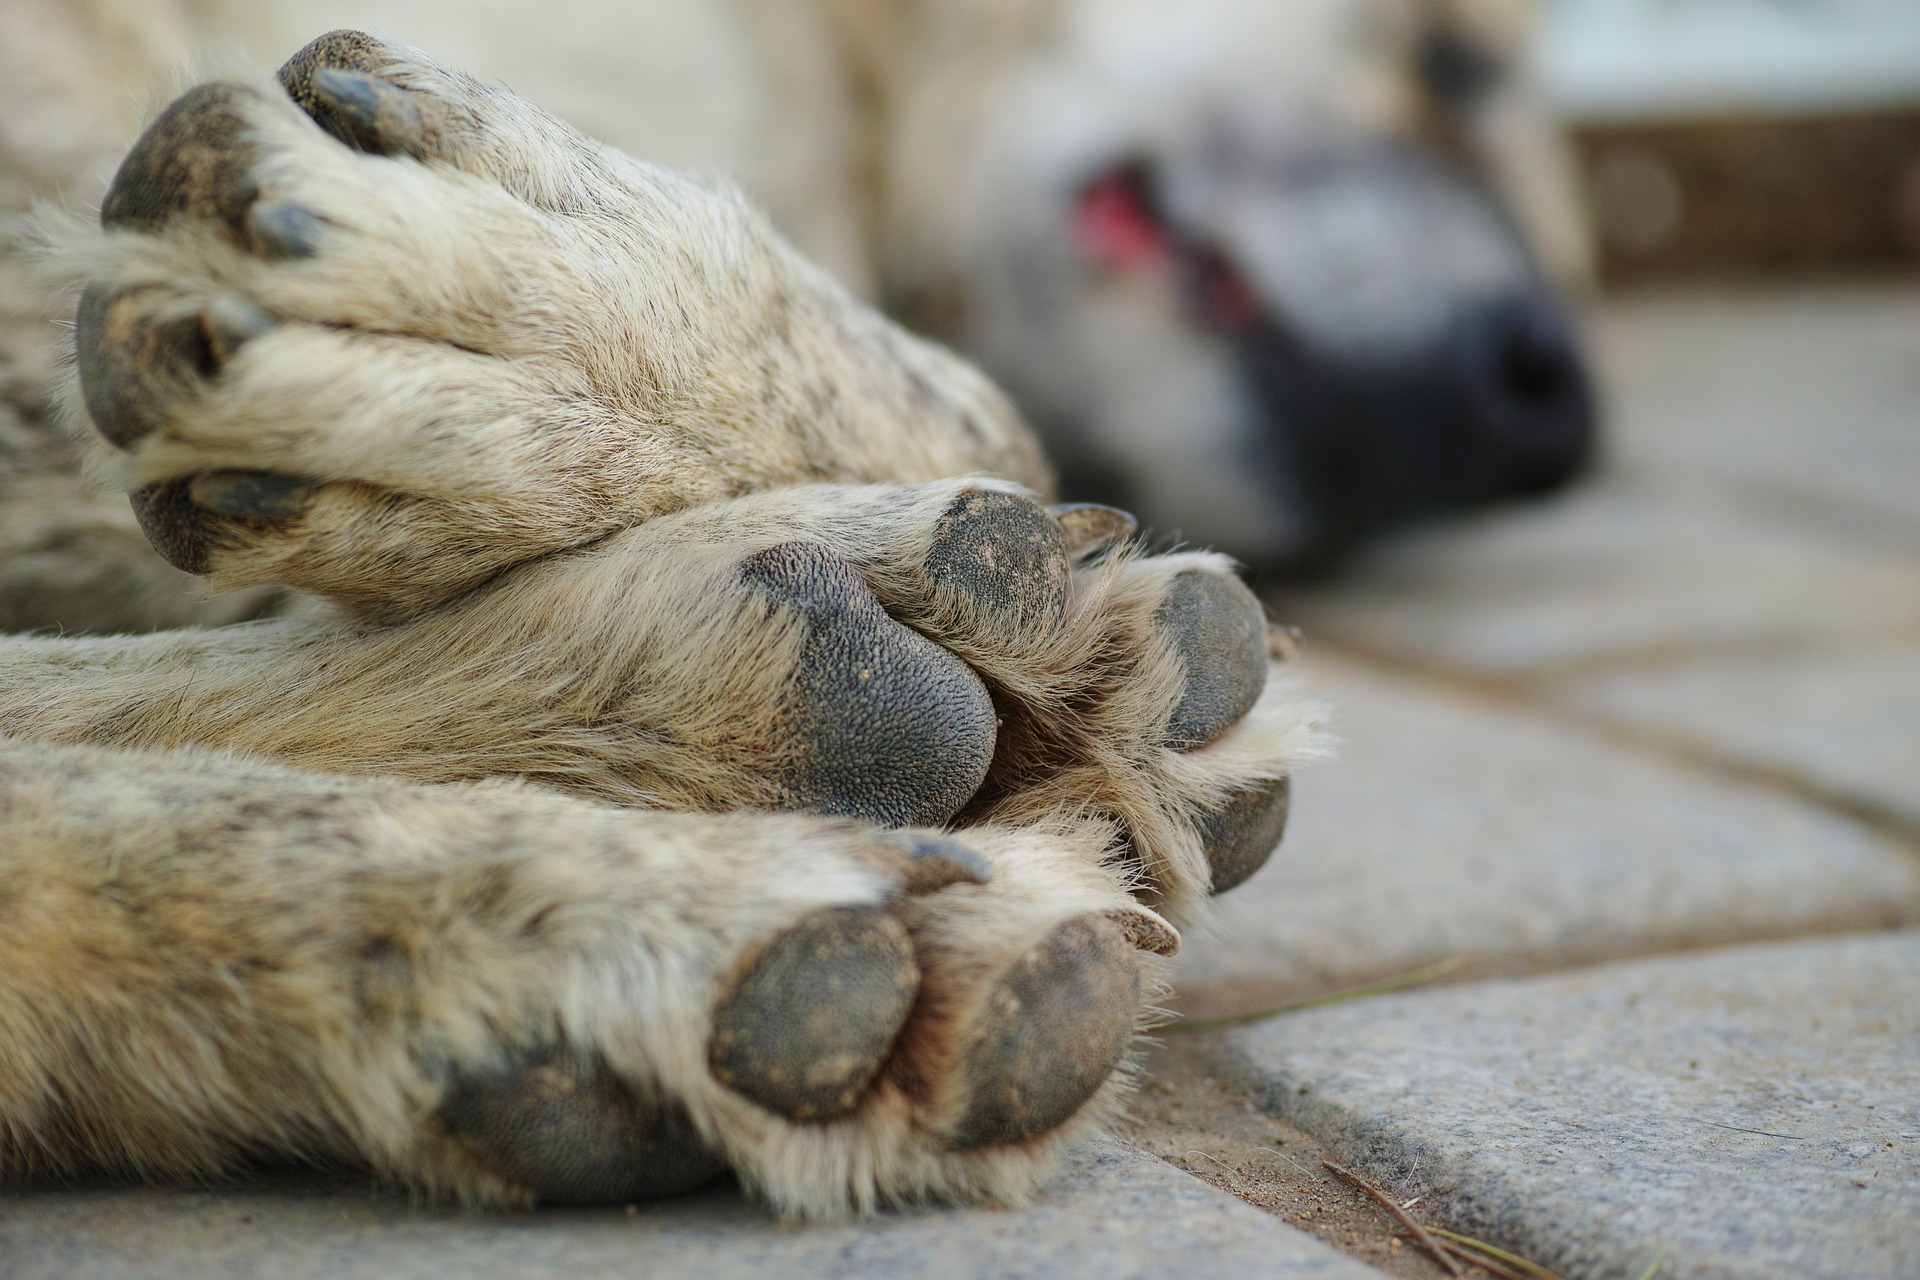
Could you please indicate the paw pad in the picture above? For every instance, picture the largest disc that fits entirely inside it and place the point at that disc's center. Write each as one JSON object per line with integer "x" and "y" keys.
{"x": 806, "y": 1027}
{"x": 1220, "y": 631}
{"x": 1005, "y": 556}
{"x": 1055, "y": 1026}
{"x": 892, "y": 727}
{"x": 572, "y": 1133}
{"x": 1242, "y": 834}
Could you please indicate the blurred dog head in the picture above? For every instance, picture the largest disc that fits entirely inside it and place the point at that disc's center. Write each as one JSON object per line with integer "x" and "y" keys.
{"x": 1277, "y": 274}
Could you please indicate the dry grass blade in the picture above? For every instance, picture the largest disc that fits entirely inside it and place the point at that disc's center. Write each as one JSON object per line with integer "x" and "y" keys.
{"x": 1653, "y": 1268}
{"x": 1398, "y": 982}
{"x": 1533, "y": 1269}
{"x": 1482, "y": 1262}
{"x": 1388, "y": 1203}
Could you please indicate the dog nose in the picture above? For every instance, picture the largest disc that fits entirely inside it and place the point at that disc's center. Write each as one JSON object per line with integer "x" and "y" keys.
{"x": 1529, "y": 401}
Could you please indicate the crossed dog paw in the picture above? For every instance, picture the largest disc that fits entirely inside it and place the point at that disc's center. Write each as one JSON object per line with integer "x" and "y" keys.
{"x": 623, "y": 500}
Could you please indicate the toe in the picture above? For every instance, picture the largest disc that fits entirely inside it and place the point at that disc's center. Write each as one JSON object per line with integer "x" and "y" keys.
{"x": 1054, "y": 1028}
{"x": 1003, "y": 559}
{"x": 193, "y": 162}
{"x": 810, "y": 1022}
{"x": 1220, "y": 632}
{"x": 571, "y": 1133}
{"x": 1242, "y": 834}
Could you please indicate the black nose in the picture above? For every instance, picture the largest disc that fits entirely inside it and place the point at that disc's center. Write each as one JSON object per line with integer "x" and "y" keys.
{"x": 1529, "y": 405}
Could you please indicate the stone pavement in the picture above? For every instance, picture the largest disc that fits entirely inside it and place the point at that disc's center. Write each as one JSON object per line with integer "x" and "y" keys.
{"x": 1114, "y": 1213}
{"x": 1675, "y": 713}
{"x": 1635, "y": 773}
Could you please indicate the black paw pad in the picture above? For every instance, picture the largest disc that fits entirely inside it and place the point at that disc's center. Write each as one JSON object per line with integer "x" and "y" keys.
{"x": 810, "y": 1022}
{"x": 192, "y": 162}
{"x": 1220, "y": 631}
{"x": 1055, "y": 1026}
{"x": 570, "y": 1132}
{"x": 1004, "y": 555}
{"x": 894, "y": 729}
{"x": 1243, "y": 833}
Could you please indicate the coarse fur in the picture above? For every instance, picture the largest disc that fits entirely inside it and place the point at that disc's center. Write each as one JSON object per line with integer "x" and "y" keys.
{"x": 623, "y": 528}
{"x": 1378, "y": 183}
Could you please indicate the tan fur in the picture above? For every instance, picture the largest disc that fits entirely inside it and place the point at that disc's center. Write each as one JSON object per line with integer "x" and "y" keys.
{"x": 548, "y": 399}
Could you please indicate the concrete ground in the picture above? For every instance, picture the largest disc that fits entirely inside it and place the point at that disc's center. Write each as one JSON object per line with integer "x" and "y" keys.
{"x": 1607, "y": 921}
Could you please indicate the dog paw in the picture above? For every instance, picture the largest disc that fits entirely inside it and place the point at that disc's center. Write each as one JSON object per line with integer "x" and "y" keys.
{"x": 380, "y": 331}
{"x": 840, "y": 1017}
{"x": 1134, "y": 689}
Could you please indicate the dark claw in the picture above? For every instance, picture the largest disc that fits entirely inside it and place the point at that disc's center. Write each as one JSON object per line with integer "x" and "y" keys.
{"x": 1146, "y": 931}
{"x": 1056, "y": 1025}
{"x": 572, "y": 1133}
{"x": 935, "y": 862}
{"x": 1004, "y": 555}
{"x": 282, "y": 230}
{"x": 252, "y": 495}
{"x": 891, "y": 727}
{"x": 231, "y": 323}
{"x": 1086, "y": 524}
{"x": 372, "y": 115}
{"x": 808, "y": 1025}
{"x": 1243, "y": 833}
{"x": 1220, "y": 631}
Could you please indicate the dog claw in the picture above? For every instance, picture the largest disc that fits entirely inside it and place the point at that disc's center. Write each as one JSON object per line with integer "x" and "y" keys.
{"x": 370, "y": 114}
{"x": 252, "y": 495}
{"x": 284, "y": 230}
{"x": 927, "y": 864}
{"x": 1088, "y": 523}
{"x": 231, "y": 323}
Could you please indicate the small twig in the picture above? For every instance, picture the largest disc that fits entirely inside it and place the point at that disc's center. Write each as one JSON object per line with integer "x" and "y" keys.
{"x": 1397, "y": 982}
{"x": 1387, "y": 1202}
{"x": 1533, "y": 1269}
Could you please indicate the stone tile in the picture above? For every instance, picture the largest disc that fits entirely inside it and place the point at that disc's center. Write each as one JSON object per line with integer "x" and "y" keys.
{"x": 1755, "y": 1110}
{"x": 1612, "y": 572}
{"x": 1115, "y": 1213}
{"x": 1800, "y": 393}
{"x": 1451, "y": 826}
{"x": 1843, "y": 721}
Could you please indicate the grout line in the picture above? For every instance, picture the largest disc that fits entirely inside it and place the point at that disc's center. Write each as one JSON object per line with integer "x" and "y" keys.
{"x": 1523, "y": 694}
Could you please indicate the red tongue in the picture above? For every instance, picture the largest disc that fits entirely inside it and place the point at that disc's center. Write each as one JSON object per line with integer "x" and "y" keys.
{"x": 1115, "y": 224}
{"x": 1116, "y": 228}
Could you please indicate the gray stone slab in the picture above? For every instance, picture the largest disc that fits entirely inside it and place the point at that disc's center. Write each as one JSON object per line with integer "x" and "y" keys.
{"x": 1114, "y": 1213}
{"x": 1613, "y": 572}
{"x": 1453, "y": 826}
{"x": 1797, "y": 396}
{"x": 1756, "y": 1111}
{"x": 1843, "y": 721}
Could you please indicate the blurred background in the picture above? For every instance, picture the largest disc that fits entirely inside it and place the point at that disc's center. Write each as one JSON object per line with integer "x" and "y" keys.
{"x": 1677, "y": 702}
